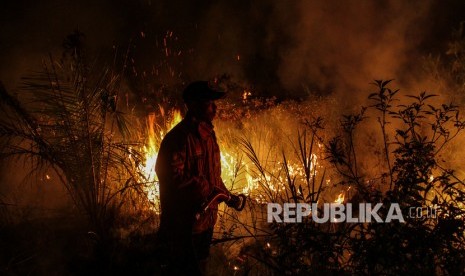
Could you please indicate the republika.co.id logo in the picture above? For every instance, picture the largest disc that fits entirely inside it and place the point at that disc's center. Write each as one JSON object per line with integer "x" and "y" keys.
{"x": 337, "y": 212}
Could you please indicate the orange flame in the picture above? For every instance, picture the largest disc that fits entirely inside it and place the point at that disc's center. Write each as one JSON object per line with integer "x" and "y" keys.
{"x": 151, "y": 151}
{"x": 340, "y": 198}
{"x": 250, "y": 182}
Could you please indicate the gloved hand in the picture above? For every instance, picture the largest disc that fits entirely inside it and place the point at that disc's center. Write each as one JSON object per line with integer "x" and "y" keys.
{"x": 236, "y": 202}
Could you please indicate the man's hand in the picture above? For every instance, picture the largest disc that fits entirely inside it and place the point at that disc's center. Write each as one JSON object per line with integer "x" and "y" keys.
{"x": 236, "y": 202}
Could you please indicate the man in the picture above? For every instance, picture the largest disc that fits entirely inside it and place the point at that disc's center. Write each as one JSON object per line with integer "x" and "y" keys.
{"x": 189, "y": 169}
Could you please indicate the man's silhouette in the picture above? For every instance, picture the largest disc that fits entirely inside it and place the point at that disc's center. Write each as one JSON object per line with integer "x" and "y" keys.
{"x": 189, "y": 169}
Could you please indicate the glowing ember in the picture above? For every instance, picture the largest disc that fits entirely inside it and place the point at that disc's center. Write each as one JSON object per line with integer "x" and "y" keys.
{"x": 245, "y": 95}
{"x": 340, "y": 198}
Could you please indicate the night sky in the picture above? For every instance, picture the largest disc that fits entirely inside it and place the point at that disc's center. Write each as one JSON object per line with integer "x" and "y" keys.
{"x": 276, "y": 47}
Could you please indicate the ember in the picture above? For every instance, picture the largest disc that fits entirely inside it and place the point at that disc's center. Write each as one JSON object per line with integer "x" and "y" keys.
{"x": 340, "y": 198}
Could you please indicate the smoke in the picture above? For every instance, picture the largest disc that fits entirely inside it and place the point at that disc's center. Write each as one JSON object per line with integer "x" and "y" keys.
{"x": 283, "y": 48}
{"x": 342, "y": 45}
{"x": 287, "y": 49}
{"x": 290, "y": 48}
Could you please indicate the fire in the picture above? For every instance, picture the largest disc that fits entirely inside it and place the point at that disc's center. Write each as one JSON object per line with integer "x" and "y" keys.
{"x": 251, "y": 183}
{"x": 155, "y": 134}
{"x": 246, "y": 95}
{"x": 237, "y": 174}
{"x": 340, "y": 198}
{"x": 151, "y": 149}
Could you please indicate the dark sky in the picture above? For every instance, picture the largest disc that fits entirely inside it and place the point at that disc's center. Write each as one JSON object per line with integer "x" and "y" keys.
{"x": 284, "y": 47}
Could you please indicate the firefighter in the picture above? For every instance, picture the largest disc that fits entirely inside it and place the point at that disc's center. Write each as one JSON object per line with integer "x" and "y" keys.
{"x": 189, "y": 170}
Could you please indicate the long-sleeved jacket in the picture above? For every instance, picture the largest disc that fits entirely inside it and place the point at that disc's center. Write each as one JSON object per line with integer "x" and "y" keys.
{"x": 189, "y": 170}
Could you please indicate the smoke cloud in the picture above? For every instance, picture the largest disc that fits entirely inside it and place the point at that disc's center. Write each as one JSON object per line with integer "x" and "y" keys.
{"x": 341, "y": 45}
{"x": 283, "y": 48}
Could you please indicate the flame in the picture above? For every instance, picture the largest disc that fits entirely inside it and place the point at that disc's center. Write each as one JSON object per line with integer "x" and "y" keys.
{"x": 246, "y": 95}
{"x": 151, "y": 149}
{"x": 340, "y": 198}
{"x": 249, "y": 183}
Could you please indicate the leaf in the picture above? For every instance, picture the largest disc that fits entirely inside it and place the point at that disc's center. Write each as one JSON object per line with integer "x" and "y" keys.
{"x": 122, "y": 124}
{"x": 386, "y": 82}
{"x": 372, "y": 95}
{"x": 430, "y": 96}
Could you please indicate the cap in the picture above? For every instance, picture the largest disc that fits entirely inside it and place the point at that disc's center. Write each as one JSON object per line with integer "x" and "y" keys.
{"x": 201, "y": 91}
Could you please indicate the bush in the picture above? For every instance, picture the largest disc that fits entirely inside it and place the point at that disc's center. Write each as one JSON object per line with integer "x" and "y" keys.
{"x": 413, "y": 135}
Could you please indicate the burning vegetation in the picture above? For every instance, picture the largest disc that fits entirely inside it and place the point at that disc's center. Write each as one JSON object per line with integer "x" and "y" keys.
{"x": 77, "y": 125}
